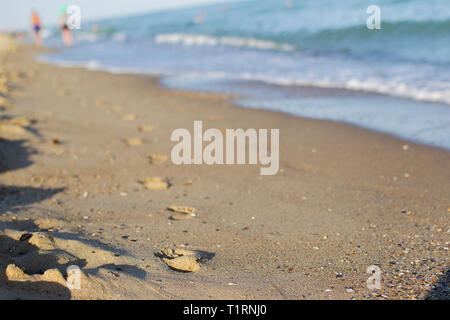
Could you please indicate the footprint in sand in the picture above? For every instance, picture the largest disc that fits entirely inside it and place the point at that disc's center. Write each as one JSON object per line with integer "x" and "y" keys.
{"x": 182, "y": 212}
{"x": 4, "y": 102}
{"x": 36, "y": 265}
{"x": 128, "y": 117}
{"x": 157, "y": 158}
{"x": 116, "y": 109}
{"x": 133, "y": 141}
{"x": 10, "y": 129}
{"x": 22, "y": 122}
{"x": 99, "y": 102}
{"x": 14, "y": 126}
{"x": 155, "y": 183}
{"x": 33, "y": 257}
{"x": 64, "y": 92}
{"x": 145, "y": 128}
{"x": 184, "y": 260}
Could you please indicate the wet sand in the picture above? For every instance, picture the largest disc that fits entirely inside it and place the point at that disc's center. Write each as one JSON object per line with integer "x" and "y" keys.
{"x": 344, "y": 199}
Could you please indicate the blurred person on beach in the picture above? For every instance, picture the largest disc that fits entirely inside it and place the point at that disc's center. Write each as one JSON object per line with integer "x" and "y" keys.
{"x": 36, "y": 25}
{"x": 200, "y": 18}
{"x": 289, "y": 4}
{"x": 66, "y": 33}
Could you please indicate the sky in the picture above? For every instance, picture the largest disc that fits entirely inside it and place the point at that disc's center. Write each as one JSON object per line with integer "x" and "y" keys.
{"x": 15, "y": 14}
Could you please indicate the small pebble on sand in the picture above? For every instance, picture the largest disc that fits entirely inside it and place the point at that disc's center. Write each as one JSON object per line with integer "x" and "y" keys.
{"x": 133, "y": 141}
{"x": 157, "y": 158}
{"x": 155, "y": 183}
{"x": 145, "y": 128}
{"x": 128, "y": 117}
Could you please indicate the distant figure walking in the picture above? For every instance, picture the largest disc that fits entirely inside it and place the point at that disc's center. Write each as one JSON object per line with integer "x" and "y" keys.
{"x": 289, "y": 4}
{"x": 36, "y": 25}
{"x": 200, "y": 18}
{"x": 66, "y": 33}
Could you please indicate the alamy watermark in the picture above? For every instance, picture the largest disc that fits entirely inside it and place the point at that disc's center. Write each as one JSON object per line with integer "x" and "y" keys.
{"x": 374, "y": 20}
{"x": 374, "y": 281}
{"x": 73, "y": 277}
{"x": 73, "y": 17}
{"x": 213, "y": 152}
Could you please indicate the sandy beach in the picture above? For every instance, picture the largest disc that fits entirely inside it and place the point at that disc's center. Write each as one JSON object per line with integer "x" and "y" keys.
{"x": 75, "y": 145}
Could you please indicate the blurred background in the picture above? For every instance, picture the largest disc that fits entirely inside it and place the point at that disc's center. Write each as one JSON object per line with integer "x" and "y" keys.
{"x": 308, "y": 58}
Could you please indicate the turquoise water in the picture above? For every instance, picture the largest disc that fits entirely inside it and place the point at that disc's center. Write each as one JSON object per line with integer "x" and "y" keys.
{"x": 286, "y": 45}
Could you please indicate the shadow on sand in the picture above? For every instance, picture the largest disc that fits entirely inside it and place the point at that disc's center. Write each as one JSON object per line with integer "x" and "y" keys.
{"x": 15, "y": 155}
{"x": 441, "y": 291}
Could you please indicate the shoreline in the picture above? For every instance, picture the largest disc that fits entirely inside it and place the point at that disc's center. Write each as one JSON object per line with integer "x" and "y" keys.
{"x": 319, "y": 91}
{"x": 309, "y": 232}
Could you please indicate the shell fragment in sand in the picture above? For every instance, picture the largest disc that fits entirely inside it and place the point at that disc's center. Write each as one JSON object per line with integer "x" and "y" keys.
{"x": 179, "y": 217}
{"x": 133, "y": 141}
{"x": 128, "y": 117}
{"x": 182, "y": 209}
{"x": 157, "y": 158}
{"x": 155, "y": 183}
{"x": 181, "y": 213}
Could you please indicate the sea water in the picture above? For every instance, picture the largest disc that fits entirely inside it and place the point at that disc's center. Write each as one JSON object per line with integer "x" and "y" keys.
{"x": 308, "y": 58}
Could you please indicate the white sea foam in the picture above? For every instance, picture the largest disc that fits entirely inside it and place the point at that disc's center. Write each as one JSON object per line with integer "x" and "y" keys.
{"x": 205, "y": 40}
{"x": 390, "y": 88}
{"x": 394, "y": 88}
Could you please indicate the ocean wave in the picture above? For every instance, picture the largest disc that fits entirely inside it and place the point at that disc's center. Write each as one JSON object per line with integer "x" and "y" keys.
{"x": 388, "y": 88}
{"x": 206, "y": 40}
{"x": 429, "y": 28}
{"x": 377, "y": 86}
{"x": 393, "y": 88}
{"x": 394, "y": 40}
{"x": 438, "y": 93}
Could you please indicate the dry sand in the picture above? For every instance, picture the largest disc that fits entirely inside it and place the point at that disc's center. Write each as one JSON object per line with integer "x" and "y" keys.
{"x": 344, "y": 199}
